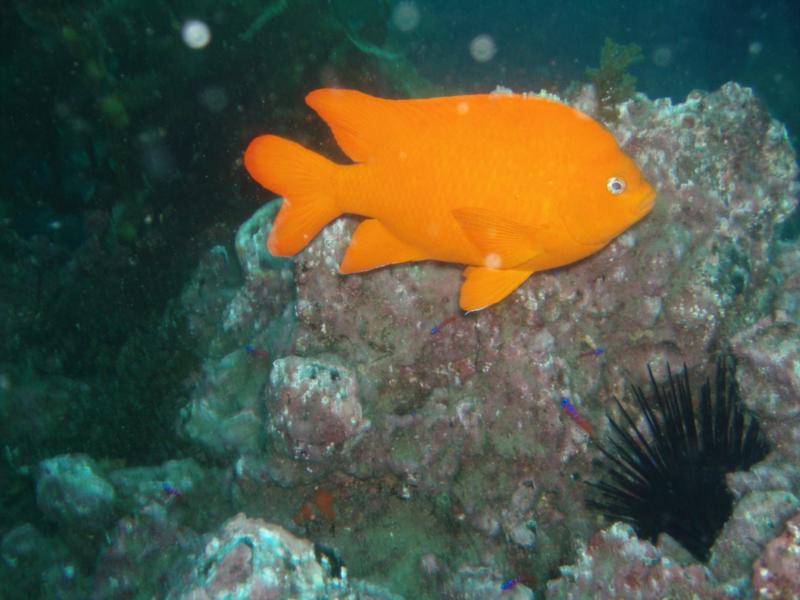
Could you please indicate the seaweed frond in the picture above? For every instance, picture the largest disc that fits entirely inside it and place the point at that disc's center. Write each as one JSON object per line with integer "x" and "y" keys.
{"x": 612, "y": 81}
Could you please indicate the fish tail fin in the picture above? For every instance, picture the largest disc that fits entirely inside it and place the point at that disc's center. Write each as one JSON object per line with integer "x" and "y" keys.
{"x": 304, "y": 179}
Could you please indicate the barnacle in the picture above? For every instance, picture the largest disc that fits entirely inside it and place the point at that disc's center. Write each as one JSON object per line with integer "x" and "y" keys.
{"x": 669, "y": 474}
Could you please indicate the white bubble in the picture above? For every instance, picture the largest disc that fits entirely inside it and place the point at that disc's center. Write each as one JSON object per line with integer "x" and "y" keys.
{"x": 405, "y": 16}
{"x": 214, "y": 98}
{"x": 462, "y": 108}
{"x": 755, "y": 48}
{"x": 195, "y": 34}
{"x": 158, "y": 161}
{"x": 662, "y": 56}
{"x": 482, "y": 48}
{"x": 492, "y": 261}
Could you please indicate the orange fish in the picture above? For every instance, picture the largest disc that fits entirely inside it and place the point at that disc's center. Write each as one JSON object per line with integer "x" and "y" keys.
{"x": 507, "y": 184}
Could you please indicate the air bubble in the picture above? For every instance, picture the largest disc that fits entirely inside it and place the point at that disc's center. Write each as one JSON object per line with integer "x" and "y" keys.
{"x": 492, "y": 261}
{"x": 195, "y": 34}
{"x": 482, "y": 48}
{"x": 662, "y": 56}
{"x": 755, "y": 48}
{"x": 405, "y": 16}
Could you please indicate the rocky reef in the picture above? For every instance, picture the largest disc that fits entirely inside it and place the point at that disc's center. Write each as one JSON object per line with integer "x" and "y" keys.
{"x": 450, "y": 464}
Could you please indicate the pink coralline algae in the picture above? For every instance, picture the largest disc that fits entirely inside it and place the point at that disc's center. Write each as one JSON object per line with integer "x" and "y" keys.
{"x": 770, "y": 367}
{"x": 314, "y": 407}
{"x": 249, "y": 558}
{"x": 143, "y": 551}
{"x": 756, "y": 519}
{"x": 617, "y": 565}
{"x": 776, "y": 574}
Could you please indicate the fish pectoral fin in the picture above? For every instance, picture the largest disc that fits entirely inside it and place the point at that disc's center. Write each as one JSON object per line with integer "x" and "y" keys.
{"x": 373, "y": 246}
{"x": 483, "y": 287}
{"x": 504, "y": 242}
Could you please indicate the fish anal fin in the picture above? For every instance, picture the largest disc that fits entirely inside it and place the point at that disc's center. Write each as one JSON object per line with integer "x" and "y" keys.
{"x": 373, "y": 246}
{"x": 505, "y": 243}
{"x": 483, "y": 286}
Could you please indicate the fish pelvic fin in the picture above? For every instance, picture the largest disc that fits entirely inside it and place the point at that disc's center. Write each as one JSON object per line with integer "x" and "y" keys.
{"x": 502, "y": 241}
{"x": 483, "y": 286}
{"x": 374, "y": 246}
{"x": 304, "y": 179}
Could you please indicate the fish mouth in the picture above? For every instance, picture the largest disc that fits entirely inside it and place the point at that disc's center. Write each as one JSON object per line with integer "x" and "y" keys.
{"x": 646, "y": 203}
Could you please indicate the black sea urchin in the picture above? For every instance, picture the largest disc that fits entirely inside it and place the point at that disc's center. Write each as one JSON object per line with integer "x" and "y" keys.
{"x": 669, "y": 475}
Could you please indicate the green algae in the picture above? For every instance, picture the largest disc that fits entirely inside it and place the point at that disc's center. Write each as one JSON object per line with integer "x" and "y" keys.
{"x": 612, "y": 81}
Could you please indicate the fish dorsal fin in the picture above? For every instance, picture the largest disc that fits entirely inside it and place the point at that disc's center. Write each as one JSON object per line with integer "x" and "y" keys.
{"x": 365, "y": 127}
{"x": 483, "y": 287}
{"x": 368, "y": 128}
{"x": 505, "y": 243}
{"x": 373, "y": 246}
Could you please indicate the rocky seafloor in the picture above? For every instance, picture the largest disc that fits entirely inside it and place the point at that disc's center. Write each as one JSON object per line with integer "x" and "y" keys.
{"x": 339, "y": 449}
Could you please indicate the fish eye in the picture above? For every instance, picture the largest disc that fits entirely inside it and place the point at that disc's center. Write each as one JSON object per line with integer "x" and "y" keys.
{"x": 615, "y": 185}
